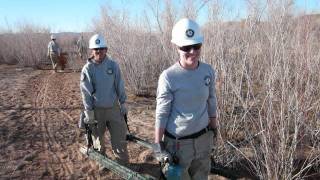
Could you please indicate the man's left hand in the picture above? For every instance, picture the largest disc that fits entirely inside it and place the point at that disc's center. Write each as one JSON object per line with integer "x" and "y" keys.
{"x": 214, "y": 126}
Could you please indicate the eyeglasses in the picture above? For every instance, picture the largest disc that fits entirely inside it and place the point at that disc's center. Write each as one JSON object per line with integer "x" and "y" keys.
{"x": 188, "y": 48}
{"x": 97, "y": 49}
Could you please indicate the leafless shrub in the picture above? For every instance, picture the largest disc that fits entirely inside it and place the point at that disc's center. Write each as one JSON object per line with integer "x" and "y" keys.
{"x": 141, "y": 52}
{"x": 268, "y": 89}
{"x": 25, "y": 46}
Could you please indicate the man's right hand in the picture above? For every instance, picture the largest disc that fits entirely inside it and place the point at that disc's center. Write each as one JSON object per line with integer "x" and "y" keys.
{"x": 160, "y": 153}
{"x": 89, "y": 117}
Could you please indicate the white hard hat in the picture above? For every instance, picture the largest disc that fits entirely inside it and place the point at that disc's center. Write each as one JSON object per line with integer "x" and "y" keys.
{"x": 53, "y": 36}
{"x": 97, "y": 41}
{"x": 186, "y": 32}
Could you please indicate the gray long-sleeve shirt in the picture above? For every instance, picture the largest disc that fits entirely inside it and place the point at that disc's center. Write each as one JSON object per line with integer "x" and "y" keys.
{"x": 185, "y": 99}
{"x": 53, "y": 47}
{"x": 101, "y": 84}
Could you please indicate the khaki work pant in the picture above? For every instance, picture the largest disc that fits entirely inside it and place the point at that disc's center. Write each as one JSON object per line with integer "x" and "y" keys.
{"x": 112, "y": 119}
{"x": 193, "y": 155}
{"x": 54, "y": 60}
{"x": 83, "y": 54}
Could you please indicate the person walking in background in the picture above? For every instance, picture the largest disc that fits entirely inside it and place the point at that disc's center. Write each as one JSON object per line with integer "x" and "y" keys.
{"x": 53, "y": 52}
{"x": 82, "y": 47}
{"x": 186, "y": 118}
{"x": 104, "y": 97}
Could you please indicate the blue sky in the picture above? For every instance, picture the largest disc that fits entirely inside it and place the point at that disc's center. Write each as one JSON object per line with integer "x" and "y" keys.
{"x": 76, "y": 15}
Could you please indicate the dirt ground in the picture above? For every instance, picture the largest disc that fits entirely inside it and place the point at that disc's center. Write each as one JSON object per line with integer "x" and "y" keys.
{"x": 40, "y": 138}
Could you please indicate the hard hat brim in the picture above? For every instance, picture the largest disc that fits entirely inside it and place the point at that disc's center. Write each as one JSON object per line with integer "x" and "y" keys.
{"x": 97, "y": 46}
{"x": 187, "y": 42}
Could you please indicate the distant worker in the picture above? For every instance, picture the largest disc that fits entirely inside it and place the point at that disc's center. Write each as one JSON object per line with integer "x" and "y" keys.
{"x": 53, "y": 52}
{"x": 104, "y": 97}
{"x": 186, "y": 122}
{"x": 82, "y": 48}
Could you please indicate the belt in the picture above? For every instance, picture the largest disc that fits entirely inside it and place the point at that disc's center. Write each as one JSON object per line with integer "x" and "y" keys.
{"x": 191, "y": 136}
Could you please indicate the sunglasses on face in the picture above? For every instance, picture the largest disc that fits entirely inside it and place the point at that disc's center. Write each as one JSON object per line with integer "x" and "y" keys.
{"x": 99, "y": 49}
{"x": 188, "y": 48}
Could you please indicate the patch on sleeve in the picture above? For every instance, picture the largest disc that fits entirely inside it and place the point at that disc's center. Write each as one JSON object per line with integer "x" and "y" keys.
{"x": 83, "y": 77}
{"x": 207, "y": 80}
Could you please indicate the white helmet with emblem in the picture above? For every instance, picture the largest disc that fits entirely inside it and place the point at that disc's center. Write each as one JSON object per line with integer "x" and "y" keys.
{"x": 97, "y": 41}
{"x": 186, "y": 32}
{"x": 53, "y": 36}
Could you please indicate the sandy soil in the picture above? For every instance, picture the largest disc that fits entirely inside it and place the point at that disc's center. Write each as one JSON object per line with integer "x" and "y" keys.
{"x": 39, "y": 133}
{"x": 40, "y": 138}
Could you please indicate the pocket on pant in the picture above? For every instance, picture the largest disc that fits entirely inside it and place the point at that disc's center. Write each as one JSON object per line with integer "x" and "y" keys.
{"x": 204, "y": 144}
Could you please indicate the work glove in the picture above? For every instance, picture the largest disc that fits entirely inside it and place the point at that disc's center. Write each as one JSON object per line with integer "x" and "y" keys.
{"x": 89, "y": 117}
{"x": 123, "y": 109}
{"x": 160, "y": 153}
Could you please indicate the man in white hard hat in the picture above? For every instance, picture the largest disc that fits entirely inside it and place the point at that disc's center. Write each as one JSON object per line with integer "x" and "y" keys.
{"x": 53, "y": 52}
{"x": 104, "y": 97}
{"x": 186, "y": 106}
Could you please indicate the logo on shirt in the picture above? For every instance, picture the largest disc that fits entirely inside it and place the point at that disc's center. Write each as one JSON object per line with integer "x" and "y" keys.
{"x": 207, "y": 80}
{"x": 109, "y": 71}
{"x": 189, "y": 33}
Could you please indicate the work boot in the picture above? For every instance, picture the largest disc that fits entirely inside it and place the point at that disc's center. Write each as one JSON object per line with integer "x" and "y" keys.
{"x": 121, "y": 156}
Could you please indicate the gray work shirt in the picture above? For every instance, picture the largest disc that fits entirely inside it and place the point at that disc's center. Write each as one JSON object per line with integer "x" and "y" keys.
{"x": 101, "y": 84}
{"x": 53, "y": 47}
{"x": 185, "y": 99}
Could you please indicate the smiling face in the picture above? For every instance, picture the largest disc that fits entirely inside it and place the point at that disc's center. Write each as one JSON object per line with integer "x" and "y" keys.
{"x": 189, "y": 56}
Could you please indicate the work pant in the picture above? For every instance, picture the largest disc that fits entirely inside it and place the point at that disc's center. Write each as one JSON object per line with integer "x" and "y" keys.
{"x": 112, "y": 119}
{"x": 193, "y": 155}
{"x": 83, "y": 53}
{"x": 54, "y": 60}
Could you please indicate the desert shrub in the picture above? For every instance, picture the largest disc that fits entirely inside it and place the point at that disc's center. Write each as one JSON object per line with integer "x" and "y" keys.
{"x": 141, "y": 52}
{"x": 24, "y": 46}
{"x": 267, "y": 88}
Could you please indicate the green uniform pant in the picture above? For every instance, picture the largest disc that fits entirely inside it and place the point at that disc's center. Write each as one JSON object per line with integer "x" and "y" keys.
{"x": 193, "y": 155}
{"x": 112, "y": 119}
